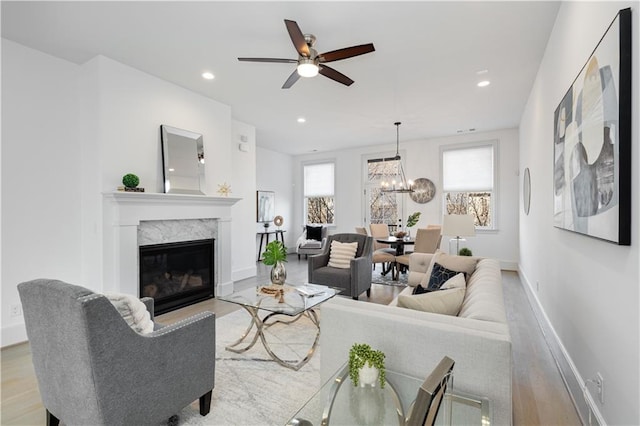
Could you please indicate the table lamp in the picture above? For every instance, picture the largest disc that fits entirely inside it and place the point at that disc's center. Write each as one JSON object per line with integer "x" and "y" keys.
{"x": 460, "y": 225}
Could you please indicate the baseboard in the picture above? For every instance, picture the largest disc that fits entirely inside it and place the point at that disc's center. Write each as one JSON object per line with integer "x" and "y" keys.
{"x": 507, "y": 265}
{"x": 13, "y": 334}
{"x": 241, "y": 274}
{"x": 582, "y": 400}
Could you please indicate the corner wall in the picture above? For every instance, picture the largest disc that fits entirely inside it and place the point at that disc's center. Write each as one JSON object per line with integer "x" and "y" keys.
{"x": 587, "y": 290}
{"x": 41, "y": 179}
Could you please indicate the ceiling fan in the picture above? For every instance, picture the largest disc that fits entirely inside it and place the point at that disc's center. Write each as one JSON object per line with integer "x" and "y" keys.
{"x": 309, "y": 62}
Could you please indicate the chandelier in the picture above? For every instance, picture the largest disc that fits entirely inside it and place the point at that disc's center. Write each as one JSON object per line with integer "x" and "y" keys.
{"x": 399, "y": 182}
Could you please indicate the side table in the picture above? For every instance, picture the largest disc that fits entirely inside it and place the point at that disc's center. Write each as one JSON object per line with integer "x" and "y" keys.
{"x": 339, "y": 402}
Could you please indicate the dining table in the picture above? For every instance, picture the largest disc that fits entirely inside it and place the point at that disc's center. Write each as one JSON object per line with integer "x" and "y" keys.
{"x": 398, "y": 244}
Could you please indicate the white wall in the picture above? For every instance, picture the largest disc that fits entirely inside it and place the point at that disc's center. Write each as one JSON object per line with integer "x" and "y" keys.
{"x": 244, "y": 212}
{"x": 587, "y": 288}
{"x": 422, "y": 159}
{"x": 274, "y": 172}
{"x": 70, "y": 133}
{"x": 41, "y": 179}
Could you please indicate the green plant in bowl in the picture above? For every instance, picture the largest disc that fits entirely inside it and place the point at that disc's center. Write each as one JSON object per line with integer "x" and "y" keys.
{"x": 274, "y": 252}
{"x": 362, "y": 354}
{"x": 464, "y": 251}
{"x": 130, "y": 180}
{"x": 413, "y": 219}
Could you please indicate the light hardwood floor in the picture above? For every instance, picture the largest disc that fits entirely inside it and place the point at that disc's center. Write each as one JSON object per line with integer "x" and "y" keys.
{"x": 539, "y": 394}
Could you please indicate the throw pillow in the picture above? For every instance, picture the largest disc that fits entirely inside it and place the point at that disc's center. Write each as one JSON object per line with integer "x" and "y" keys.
{"x": 464, "y": 264}
{"x": 446, "y": 302}
{"x": 133, "y": 311}
{"x": 314, "y": 233}
{"x": 420, "y": 290}
{"x": 457, "y": 281}
{"x": 439, "y": 276}
{"x": 342, "y": 253}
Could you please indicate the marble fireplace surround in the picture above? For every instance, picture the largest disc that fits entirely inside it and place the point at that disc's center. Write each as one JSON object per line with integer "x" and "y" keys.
{"x": 124, "y": 212}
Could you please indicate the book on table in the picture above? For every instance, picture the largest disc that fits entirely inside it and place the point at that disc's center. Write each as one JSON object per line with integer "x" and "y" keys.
{"x": 311, "y": 289}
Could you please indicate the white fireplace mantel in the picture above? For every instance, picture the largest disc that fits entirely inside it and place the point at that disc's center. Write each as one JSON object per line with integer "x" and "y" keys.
{"x": 123, "y": 212}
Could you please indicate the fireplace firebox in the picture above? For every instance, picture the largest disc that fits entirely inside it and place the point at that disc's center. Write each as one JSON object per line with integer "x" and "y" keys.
{"x": 177, "y": 274}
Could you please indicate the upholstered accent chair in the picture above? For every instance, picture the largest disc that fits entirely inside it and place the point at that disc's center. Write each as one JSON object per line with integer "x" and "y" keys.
{"x": 94, "y": 369}
{"x": 309, "y": 246}
{"x": 427, "y": 241}
{"x": 353, "y": 280}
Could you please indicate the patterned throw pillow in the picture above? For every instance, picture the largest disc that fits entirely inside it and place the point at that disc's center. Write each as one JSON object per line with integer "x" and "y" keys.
{"x": 342, "y": 253}
{"x": 439, "y": 276}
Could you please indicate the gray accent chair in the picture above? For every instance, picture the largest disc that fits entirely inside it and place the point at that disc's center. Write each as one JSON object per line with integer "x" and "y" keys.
{"x": 93, "y": 369}
{"x": 310, "y": 247}
{"x": 354, "y": 280}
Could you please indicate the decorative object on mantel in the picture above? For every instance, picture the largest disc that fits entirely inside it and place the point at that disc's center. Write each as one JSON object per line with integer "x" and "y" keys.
{"x": 224, "y": 189}
{"x": 278, "y": 221}
{"x": 366, "y": 365}
{"x": 275, "y": 254}
{"x": 423, "y": 191}
{"x": 130, "y": 182}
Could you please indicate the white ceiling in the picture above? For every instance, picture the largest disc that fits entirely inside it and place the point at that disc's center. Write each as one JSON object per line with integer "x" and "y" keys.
{"x": 423, "y": 72}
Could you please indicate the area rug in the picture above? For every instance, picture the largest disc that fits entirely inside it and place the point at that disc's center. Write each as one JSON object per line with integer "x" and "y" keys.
{"x": 250, "y": 388}
{"x": 378, "y": 278}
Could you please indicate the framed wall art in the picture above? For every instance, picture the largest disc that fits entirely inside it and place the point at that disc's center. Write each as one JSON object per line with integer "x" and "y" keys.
{"x": 265, "y": 201}
{"x": 592, "y": 142}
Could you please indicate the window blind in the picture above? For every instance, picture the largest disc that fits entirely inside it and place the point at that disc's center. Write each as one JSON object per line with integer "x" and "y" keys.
{"x": 319, "y": 180}
{"x": 468, "y": 169}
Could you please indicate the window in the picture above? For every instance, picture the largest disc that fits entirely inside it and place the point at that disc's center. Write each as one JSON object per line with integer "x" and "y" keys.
{"x": 468, "y": 176}
{"x": 382, "y": 207}
{"x": 319, "y": 206}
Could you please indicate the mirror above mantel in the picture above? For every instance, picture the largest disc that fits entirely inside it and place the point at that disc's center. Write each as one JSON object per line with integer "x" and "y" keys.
{"x": 183, "y": 162}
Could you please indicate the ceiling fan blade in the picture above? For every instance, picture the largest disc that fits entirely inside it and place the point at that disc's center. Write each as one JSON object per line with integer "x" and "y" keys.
{"x": 347, "y": 52}
{"x": 335, "y": 75}
{"x": 297, "y": 38}
{"x": 291, "y": 80}
{"x": 282, "y": 61}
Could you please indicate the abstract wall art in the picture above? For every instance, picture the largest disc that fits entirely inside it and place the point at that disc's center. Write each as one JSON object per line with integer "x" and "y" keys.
{"x": 592, "y": 142}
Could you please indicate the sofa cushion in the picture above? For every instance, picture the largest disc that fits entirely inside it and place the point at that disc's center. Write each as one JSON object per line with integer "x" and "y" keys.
{"x": 341, "y": 254}
{"x": 446, "y": 302}
{"x": 455, "y": 263}
{"x": 314, "y": 233}
{"x": 439, "y": 276}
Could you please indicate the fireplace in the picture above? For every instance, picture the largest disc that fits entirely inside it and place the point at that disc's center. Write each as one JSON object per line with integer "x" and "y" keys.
{"x": 177, "y": 274}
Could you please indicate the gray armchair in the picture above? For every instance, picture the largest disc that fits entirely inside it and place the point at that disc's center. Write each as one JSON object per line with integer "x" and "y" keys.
{"x": 354, "y": 280}
{"x": 93, "y": 369}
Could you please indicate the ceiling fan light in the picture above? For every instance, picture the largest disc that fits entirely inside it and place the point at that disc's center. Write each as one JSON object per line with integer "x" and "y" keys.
{"x": 307, "y": 69}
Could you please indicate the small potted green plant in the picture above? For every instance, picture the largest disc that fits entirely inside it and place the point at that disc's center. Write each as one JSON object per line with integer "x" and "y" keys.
{"x": 412, "y": 220}
{"x": 275, "y": 254}
{"x": 366, "y": 365}
{"x": 130, "y": 182}
{"x": 464, "y": 251}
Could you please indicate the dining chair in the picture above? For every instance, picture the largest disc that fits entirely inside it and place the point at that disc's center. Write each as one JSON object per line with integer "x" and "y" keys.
{"x": 383, "y": 253}
{"x": 427, "y": 241}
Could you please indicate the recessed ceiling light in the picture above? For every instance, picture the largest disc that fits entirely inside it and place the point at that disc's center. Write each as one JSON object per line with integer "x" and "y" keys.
{"x": 301, "y": 119}
{"x": 207, "y": 76}
{"x": 484, "y": 83}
